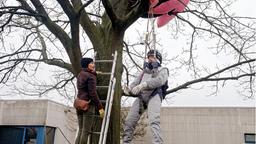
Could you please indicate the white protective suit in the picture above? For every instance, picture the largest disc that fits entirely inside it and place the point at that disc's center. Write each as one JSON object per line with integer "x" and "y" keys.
{"x": 153, "y": 78}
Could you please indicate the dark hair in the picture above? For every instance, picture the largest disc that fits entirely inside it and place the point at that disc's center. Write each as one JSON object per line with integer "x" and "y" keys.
{"x": 85, "y": 62}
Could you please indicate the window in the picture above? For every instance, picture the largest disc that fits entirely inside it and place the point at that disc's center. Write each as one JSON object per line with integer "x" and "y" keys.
{"x": 30, "y": 135}
{"x": 250, "y": 138}
{"x": 49, "y": 136}
{"x": 11, "y": 135}
{"x": 26, "y": 135}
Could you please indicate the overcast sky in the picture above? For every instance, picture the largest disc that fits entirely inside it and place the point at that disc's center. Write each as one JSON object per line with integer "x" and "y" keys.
{"x": 226, "y": 96}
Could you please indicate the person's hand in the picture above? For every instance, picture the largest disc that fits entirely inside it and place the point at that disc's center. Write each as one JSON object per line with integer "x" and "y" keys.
{"x": 137, "y": 89}
{"x": 102, "y": 112}
{"x": 126, "y": 90}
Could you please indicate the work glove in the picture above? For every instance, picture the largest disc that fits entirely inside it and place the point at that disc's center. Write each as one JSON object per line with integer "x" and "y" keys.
{"x": 137, "y": 89}
{"x": 102, "y": 112}
{"x": 126, "y": 90}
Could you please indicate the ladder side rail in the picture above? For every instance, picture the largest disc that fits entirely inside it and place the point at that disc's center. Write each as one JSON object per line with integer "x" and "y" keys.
{"x": 109, "y": 95}
{"x": 108, "y": 98}
{"x": 113, "y": 66}
{"x": 103, "y": 125}
{"x": 109, "y": 111}
{"x": 111, "y": 82}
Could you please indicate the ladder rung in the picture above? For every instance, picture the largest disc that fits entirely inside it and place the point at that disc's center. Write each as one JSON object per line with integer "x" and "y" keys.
{"x": 93, "y": 115}
{"x": 95, "y": 133}
{"x": 103, "y": 101}
{"x": 102, "y": 86}
{"x": 103, "y": 61}
{"x": 104, "y": 73}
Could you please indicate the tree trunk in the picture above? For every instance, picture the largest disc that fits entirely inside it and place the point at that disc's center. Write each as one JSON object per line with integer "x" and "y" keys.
{"x": 112, "y": 40}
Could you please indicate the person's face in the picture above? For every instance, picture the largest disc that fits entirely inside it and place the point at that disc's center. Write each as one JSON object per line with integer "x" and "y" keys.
{"x": 152, "y": 59}
{"x": 91, "y": 66}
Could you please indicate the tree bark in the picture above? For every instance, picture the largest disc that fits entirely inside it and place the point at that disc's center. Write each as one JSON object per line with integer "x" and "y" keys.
{"x": 112, "y": 42}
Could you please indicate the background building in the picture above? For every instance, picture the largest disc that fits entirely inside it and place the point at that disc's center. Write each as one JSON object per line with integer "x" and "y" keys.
{"x": 206, "y": 125}
{"x": 36, "y": 122}
{"x": 44, "y": 121}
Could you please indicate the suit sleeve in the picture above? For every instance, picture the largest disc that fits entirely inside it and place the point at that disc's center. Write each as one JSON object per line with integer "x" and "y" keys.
{"x": 137, "y": 80}
{"x": 159, "y": 80}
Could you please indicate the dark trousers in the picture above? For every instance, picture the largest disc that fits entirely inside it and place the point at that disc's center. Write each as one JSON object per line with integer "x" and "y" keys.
{"x": 87, "y": 123}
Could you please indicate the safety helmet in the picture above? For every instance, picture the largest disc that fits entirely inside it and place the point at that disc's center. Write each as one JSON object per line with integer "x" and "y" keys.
{"x": 155, "y": 53}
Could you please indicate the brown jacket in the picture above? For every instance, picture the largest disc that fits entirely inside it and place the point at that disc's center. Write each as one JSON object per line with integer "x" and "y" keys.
{"x": 86, "y": 85}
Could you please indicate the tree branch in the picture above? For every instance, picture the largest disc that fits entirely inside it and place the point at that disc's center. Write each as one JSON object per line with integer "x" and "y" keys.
{"x": 109, "y": 10}
{"x": 67, "y": 8}
{"x": 136, "y": 13}
{"x": 84, "y": 5}
{"x": 208, "y": 78}
{"x": 129, "y": 54}
{"x": 54, "y": 28}
{"x": 56, "y": 62}
{"x": 7, "y": 74}
{"x": 91, "y": 30}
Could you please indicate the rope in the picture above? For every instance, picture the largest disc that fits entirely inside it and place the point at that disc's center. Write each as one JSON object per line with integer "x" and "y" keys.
{"x": 150, "y": 33}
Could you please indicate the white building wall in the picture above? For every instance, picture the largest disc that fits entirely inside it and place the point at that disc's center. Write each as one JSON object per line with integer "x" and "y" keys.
{"x": 180, "y": 125}
{"x": 20, "y": 112}
{"x": 204, "y": 125}
{"x": 64, "y": 120}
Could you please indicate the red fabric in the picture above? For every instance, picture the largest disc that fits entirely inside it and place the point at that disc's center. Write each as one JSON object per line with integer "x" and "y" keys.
{"x": 164, "y": 19}
{"x": 153, "y": 2}
{"x": 178, "y": 5}
{"x": 165, "y": 7}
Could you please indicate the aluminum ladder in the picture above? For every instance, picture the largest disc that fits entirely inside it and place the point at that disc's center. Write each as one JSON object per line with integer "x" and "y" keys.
{"x": 109, "y": 101}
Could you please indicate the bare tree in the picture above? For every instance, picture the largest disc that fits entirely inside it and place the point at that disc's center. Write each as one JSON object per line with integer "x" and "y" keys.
{"x": 54, "y": 33}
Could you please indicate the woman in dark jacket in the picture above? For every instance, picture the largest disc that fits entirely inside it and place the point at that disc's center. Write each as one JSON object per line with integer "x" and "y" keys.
{"x": 86, "y": 85}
